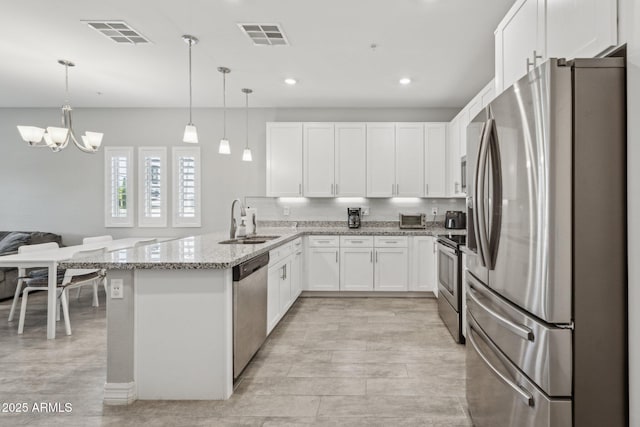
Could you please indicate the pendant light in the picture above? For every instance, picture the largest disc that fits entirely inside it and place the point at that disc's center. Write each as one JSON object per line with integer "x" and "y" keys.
{"x": 246, "y": 154}
{"x": 224, "y": 147}
{"x": 190, "y": 131}
{"x": 57, "y": 138}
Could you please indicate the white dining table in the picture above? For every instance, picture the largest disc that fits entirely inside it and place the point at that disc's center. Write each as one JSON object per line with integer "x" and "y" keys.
{"x": 50, "y": 258}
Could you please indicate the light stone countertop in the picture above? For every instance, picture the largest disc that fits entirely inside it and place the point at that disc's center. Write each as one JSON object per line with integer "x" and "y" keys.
{"x": 205, "y": 252}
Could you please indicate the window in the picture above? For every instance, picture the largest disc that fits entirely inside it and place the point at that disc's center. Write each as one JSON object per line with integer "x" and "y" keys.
{"x": 118, "y": 180}
{"x": 186, "y": 186}
{"x": 152, "y": 178}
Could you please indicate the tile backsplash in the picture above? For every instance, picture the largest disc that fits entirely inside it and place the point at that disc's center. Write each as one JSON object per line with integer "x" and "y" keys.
{"x": 335, "y": 209}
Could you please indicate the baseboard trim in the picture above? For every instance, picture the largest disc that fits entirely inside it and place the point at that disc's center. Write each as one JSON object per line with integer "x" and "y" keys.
{"x": 365, "y": 294}
{"x": 119, "y": 393}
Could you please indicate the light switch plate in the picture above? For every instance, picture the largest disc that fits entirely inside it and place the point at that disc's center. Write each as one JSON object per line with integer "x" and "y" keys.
{"x": 117, "y": 291}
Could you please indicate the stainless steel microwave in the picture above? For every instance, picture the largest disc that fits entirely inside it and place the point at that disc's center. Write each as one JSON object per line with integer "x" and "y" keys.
{"x": 417, "y": 220}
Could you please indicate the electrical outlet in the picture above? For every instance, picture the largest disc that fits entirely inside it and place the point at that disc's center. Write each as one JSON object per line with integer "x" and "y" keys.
{"x": 365, "y": 211}
{"x": 286, "y": 211}
{"x": 434, "y": 211}
{"x": 117, "y": 291}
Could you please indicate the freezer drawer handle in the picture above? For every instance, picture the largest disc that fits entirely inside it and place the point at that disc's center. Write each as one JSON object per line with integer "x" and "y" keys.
{"x": 524, "y": 395}
{"x": 520, "y": 330}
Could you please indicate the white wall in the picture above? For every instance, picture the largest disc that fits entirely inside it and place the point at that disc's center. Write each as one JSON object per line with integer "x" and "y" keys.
{"x": 63, "y": 192}
{"x": 629, "y": 20}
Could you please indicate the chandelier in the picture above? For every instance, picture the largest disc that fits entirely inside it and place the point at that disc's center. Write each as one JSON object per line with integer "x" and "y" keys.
{"x": 57, "y": 138}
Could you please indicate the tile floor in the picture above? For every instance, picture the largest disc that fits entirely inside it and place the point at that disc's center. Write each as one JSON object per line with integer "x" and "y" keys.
{"x": 330, "y": 362}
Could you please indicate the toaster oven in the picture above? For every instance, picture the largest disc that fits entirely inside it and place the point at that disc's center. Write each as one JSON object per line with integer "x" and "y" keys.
{"x": 418, "y": 220}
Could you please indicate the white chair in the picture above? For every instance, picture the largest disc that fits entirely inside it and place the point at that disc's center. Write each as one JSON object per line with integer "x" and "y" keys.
{"x": 89, "y": 240}
{"x": 40, "y": 272}
{"x": 73, "y": 278}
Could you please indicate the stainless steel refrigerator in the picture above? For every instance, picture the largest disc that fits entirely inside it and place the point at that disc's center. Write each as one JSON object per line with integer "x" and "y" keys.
{"x": 546, "y": 282}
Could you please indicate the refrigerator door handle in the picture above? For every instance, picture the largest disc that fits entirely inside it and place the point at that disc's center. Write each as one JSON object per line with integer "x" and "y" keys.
{"x": 520, "y": 330}
{"x": 479, "y": 213}
{"x": 493, "y": 235}
{"x": 523, "y": 394}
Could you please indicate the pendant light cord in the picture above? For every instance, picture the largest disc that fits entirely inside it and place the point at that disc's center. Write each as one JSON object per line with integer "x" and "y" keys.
{"x": 190, "y": 87}
{"x": 224, "y": 105}
{"x": 247, "y": 117}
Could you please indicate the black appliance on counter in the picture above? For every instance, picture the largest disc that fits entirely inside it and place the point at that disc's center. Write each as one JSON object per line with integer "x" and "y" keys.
{"x": 353, "y": 217}
{"x": 450, "y": 283}
{"x": 455, "y": 220}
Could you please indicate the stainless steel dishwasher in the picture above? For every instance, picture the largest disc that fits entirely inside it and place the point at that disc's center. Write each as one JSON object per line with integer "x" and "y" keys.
{"x": 249, "y": 310}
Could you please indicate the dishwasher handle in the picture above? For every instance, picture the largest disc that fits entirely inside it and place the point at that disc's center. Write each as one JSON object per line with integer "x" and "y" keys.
{"x": 249, "y": 267}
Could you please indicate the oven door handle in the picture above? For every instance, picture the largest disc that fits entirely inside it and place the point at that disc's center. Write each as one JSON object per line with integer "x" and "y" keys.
{"x": 520, "y": 330}
{"x": 447, "y": 250}
{"x": 523, "y": 394}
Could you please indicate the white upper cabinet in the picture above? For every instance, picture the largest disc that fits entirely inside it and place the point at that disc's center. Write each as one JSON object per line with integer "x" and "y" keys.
{"x": 319, "y": 155}
{"x": 435, "y": 172}
{"x": 284, "y": 159}
{"x": 518, "y": 36}
{"x": 350, "y": 160}
{"x": 381, "y": 160}
{"x": 580, "y": 28}
{"x": 454, "y": 181}
{"x": 534, "y": 30}
{"x": 409, "y": 159}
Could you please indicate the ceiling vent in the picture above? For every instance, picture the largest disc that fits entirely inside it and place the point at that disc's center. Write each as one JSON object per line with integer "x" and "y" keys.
{"x": 118, "y": 31}
{"x": 265, "y": 34}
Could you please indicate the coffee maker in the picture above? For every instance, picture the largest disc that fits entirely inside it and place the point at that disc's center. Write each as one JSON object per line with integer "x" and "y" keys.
{"x": 353, "y": 217}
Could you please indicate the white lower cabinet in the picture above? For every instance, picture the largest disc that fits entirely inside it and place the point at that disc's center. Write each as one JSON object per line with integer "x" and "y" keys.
{"x": 273, "y": 296}
{"x": 391, "y": 269}
{"x": 296, "y": 274}
{"x": 283, "y": 281}
{"x": 423, "y": 262}
{"x": 323, "y": 269}
{"x": 356, "y": 269}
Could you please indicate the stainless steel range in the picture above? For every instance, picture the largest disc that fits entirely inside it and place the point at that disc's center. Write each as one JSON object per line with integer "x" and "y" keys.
{"x": 450, "y": 283}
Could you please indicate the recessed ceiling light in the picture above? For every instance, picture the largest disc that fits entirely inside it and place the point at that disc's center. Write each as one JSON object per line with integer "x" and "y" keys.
{"x": 290, "y": 81}
{"x": 405, "y": 81}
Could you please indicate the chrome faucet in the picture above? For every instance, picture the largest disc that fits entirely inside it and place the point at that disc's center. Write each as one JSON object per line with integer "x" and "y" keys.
{"x": 234, "y": 224}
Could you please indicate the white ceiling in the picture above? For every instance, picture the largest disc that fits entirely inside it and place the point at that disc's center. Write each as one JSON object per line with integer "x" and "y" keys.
{"x": 444, "y": 46}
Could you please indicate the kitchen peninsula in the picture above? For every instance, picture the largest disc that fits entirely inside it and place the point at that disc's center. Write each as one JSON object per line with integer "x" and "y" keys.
{"x": 170, "y": 336}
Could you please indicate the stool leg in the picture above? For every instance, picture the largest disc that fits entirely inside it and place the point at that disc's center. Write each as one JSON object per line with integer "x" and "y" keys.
{"x": 65, "y": 311}
{"x": 23, "y": 310}
{"x": 16, "y": 296}
{"x": 95, "y": 293}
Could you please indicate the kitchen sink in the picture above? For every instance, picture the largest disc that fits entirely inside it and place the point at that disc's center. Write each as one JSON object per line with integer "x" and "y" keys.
{"x": 250, "y": 240}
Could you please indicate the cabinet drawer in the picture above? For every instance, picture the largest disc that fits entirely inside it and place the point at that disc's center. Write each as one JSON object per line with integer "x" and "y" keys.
{"x": 324, "y": 241}
{"x": 277, "y": 254}
{"x": 390, "y": 241}
{"x": 356, "y": 241}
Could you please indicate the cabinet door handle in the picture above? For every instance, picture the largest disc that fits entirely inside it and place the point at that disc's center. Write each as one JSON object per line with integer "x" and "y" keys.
{"x": 426, "y": 189}
{"x": 397, "y": 189}
{"x": 376, "y": 256}
{"x": 456, "y": 185}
